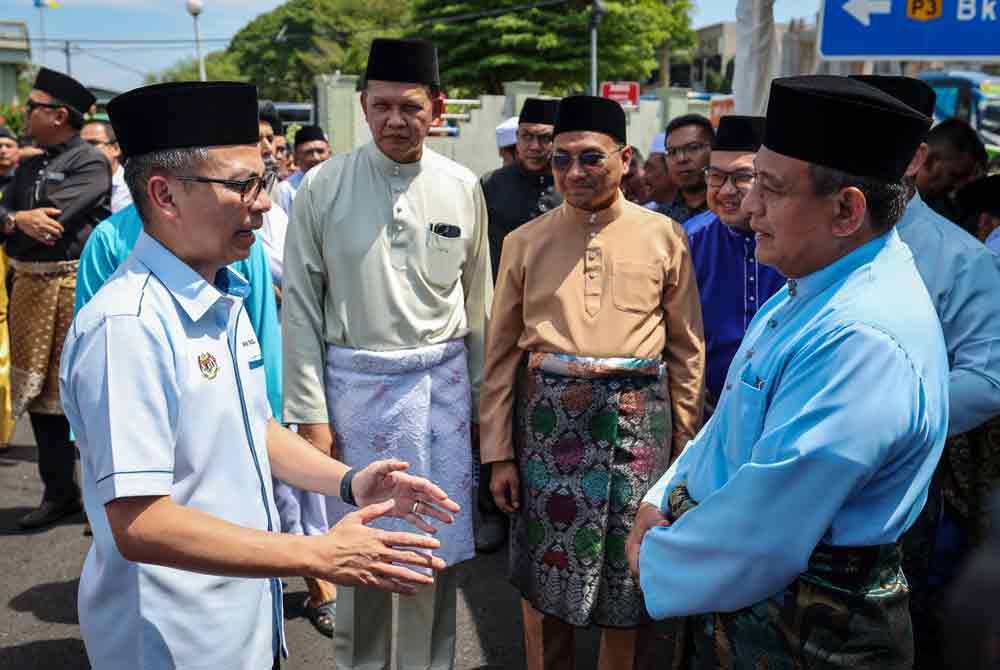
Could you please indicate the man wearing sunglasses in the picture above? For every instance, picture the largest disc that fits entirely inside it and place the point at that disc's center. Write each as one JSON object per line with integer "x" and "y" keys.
{"x": 688, "y": 145}
{"x": 516, "y": 194}
{"x": 47, "y": 214}
{"x": 732, "y": 285}
{"x": 595, "y": 319}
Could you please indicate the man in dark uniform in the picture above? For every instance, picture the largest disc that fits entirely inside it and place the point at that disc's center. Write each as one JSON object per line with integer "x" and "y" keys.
{"x": 516, "y": 194}
{"x": 47, "y": 214}
{"x": 519, "y": 192}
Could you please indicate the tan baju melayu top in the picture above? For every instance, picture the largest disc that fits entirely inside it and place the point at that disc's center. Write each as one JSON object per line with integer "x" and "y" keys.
{"x": 382, "y": 256}
{"x": 614, "y": 283}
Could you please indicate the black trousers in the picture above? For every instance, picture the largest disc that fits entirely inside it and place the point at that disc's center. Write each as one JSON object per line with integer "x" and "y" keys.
{"x": 484, "y": 499}
{"x": 56, "y": 456}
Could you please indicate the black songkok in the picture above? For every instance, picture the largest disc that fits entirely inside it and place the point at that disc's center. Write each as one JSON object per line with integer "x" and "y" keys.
{"x": 982, "y": 195}
{"x": 538, "y": 110}
{"x": 183, "y": 115}
{"x": 65, "y": 89}
{"x": 917, "y": 94}
{"x": 739, "y": 133}
{"x": 269, "y": 113}
{"x": 310, "y": 134}
{"x": 843, "y": 124}
{"x": 590, "y": 114}
{"x": 413, "y": 61}
{"x": 6, "y": 134}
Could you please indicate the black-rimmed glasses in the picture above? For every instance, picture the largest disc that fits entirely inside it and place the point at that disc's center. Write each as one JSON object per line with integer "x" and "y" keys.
{"x": 688, "y": 149}
{"x": 248, "y": 189}
{"x": 588, "y": 159}
{"x": 742, "y": 179}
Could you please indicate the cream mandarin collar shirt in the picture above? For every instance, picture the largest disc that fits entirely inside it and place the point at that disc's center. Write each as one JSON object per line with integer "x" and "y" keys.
{"x": 382, "y": 256}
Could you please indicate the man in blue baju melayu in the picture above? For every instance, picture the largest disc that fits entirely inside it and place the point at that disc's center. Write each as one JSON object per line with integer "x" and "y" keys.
{"x": 162, "y": 378}
{"x": 732, "y": 284}
{"x": 776, "y": 531}
{"x": 961, "y": 276}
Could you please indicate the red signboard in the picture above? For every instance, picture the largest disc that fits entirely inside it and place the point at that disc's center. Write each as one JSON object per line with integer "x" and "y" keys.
{"x": 622, "y": 92}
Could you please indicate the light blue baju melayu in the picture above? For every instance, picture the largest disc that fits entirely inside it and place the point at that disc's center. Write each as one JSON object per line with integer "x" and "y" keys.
{"x": 832, "y": 419}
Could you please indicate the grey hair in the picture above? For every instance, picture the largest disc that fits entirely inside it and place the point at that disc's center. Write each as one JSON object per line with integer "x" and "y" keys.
{"x": 139, "y": 169}
{"x": 886, "y": 199}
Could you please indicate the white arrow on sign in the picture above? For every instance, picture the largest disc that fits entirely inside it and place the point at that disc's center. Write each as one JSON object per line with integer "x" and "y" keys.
{"x": 862, "y": 10}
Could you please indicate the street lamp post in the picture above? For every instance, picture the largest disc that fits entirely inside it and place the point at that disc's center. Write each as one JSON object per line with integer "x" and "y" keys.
{"x": 598, "y": 10}
{"x": 194, "y": 8}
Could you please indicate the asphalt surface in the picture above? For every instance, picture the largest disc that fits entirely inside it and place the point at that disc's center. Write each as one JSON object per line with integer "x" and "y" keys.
{"x": 40, "y": 571}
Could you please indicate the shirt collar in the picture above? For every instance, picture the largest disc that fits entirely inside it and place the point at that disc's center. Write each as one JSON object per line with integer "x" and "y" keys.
{"x": 819, "y": 281}
{"x": 913, "y": 209}
{"x": 195, "y": 295}
{"x": 389, "y": 167}
{"x": 599, "y": 218}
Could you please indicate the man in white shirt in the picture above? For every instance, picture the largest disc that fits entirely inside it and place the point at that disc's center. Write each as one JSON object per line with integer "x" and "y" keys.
{"x": 100, "y": 134}
{"x": 162, "y": 379}
{"x": 387, "y": 289}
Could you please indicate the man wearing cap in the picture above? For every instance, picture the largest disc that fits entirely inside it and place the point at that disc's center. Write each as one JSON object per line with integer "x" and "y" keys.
{"x": 688, "y": 145}
{"x": 507, "y": 141}
{"x": 311, "y": 148}
{"x": 961, "y": 277}
{"x": 732, "y": 285}
{"x": 47, "y": 214}
{"x": 162, "y": 382}
{"x": 100, "y": 134}
{"x": 662, "y": 188}
{"x": 517, "y": 193}
{"x": 387, "y": 290}
{"x": 777, "y": 530}
{"x": 595, "y": 318}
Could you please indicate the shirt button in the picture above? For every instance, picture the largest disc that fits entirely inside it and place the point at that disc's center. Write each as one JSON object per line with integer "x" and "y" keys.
{"x": 593, "y": 235}
{"x": 750, "y": 279}
{"x": 729, "y": 387}
{"x": 593, "y": 275}
{"x": 772, "y": 323}
{"x": 750, "y": 354}
{"x": 751, "y": 298}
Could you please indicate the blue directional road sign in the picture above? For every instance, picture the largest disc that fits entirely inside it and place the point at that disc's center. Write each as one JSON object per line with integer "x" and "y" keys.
{"x": 910, "y": 30}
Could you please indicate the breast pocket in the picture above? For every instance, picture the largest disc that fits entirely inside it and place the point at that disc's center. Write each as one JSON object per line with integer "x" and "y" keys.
{"x": 445, "y": 258}
{"x": 745, "y": 407}
{"x": 637, "y": 287}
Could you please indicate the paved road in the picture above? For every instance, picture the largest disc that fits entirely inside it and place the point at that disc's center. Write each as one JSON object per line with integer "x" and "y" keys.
{"x": 40, "y": 573}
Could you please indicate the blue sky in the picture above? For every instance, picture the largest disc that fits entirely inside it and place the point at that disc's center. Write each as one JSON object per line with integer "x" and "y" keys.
{"x": 167, "y": 19}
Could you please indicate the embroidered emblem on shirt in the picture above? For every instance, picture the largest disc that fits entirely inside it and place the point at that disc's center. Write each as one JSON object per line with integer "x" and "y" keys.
{"x": 208, "y": 365}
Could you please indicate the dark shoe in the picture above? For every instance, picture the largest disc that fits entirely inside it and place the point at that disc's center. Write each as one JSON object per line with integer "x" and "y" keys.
{"x": 48, "y": 513}
{"x": 323, "y": 617}
{"x": 491, "y": 533}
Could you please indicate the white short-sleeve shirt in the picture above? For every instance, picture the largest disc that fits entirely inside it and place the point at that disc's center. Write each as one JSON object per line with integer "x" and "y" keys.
{"x": 162, "y": 380}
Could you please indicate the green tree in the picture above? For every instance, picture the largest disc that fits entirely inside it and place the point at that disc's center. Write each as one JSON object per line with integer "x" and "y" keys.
{"x": 549, "y": 44}
{"x": 219, "y": 66}
{"x": 283, "y": 50}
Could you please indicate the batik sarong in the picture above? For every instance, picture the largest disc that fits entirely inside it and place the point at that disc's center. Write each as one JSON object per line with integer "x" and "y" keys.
{"x": 413, "y": 405}
{"x": 848, "y": 610}
{"x": 41, "y": 311}
{"x": 592, "y": 436}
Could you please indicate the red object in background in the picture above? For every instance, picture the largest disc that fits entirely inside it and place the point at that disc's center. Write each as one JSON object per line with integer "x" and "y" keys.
{"x": 622, "y": 92}
{"x": 441, "y": 97}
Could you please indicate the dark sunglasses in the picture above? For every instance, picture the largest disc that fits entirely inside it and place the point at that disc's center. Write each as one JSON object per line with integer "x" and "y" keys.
{"x": 588, "y": 159}
{"x": 248, "y": 189}
{"x": 32, "y": 105}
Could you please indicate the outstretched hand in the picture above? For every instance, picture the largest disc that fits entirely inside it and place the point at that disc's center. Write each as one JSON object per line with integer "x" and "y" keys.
{"x": 415, "y": 497}
{"x": 354, "y": 554}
